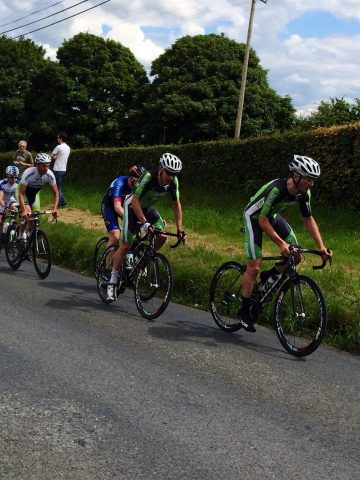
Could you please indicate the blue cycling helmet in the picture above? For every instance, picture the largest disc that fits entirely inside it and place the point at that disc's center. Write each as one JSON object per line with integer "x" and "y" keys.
{"x": 12, "y": 171}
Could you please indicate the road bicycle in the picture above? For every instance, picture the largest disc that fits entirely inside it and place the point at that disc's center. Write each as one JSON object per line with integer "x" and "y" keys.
{"x": 35, "y": 247}
{"x": 10, "y": 219}
{"x": 300, "y": 314}
{"x": 100, "y": 248}
{"x": 144, "y": 270}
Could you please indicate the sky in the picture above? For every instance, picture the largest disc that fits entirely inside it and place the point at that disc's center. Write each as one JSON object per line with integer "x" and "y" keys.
{"x": 311, "y": 49}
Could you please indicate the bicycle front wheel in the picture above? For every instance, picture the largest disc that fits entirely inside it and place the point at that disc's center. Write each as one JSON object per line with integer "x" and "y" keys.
{"x": 98, "y": 253}
{"x": 41, "y": 254}
{"x": 225, "y": 298}
{"x": 153, "y": 286}
{"x": 12, "y": 249}
{"x": 300, "y": 316}
{"x": 104, "y": 273}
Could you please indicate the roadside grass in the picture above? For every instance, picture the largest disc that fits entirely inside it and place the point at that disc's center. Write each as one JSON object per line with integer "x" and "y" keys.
{"x": 212, "y": 221}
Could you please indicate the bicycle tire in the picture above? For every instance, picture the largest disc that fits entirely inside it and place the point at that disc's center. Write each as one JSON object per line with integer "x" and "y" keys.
{"x": 300, "y": 329}
{"x": 225, "y": 299}
{"x": 104, "y": 274}
{"x": 153, "y": 286}
{"x": 98, "y": 253}
{"x": 41, "y": 253}
{"x": 12, "y": 252}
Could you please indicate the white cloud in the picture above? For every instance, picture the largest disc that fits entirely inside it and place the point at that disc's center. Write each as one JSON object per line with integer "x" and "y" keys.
{"x": 307, "y": 69}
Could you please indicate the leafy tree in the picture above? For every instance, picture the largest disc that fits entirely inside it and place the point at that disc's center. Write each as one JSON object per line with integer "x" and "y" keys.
{"x": 336, "y": 111}
{"x": 49, "y": 104}
{"x": 20, "y": 62}
{"x": 195, "y": 94}
{"x": 106, "y": 75}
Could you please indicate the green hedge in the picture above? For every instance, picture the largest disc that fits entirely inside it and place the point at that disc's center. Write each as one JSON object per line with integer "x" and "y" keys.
{"x": 243, "y": 164}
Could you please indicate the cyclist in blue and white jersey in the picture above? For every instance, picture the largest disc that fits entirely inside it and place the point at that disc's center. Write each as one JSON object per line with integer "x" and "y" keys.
{"x": 262, "y": 215}
{"x": 8, "y": 188}
{"x": 113, "y": 200}
{"x": 32, "y": 180}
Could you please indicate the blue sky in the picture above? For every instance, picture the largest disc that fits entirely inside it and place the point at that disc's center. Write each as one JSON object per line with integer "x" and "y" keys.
{"x": 310, "y": 49}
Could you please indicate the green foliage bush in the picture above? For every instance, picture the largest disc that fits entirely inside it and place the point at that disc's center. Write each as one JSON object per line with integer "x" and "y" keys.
{"x": 238, "y": 165}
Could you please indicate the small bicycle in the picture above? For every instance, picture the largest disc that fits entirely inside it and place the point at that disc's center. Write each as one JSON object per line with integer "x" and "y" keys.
{"x": 300, "y": 315}
{"x": 35, "y": 248}
{"x": 144, "y": 270}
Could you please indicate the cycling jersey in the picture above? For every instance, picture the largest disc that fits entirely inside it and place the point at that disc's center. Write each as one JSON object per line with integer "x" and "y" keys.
{"x": 271, "y": 199}
{"x": 9, "y": 192}
{"x": 34, "y": 182}
{"x": 117, "y": 191}
{"x": 149, "y": 192}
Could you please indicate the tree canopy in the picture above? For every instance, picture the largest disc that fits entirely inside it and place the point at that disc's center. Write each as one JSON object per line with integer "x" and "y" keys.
{"x": 195, "y": 93}
{"x": 335, "y": 111}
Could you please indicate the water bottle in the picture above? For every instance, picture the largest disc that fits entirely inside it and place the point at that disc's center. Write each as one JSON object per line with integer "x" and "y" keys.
{"x": 5, "y": 227}
{"x": 129, "y": 261}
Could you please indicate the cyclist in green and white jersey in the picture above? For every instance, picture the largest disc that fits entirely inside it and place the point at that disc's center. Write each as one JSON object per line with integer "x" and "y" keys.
{"x": 262, "y": 215}
{"x": 138, "y": 207}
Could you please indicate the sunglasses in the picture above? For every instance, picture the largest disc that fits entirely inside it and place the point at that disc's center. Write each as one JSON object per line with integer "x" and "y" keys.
{"x": 22, "y": 146}
{"x": 170, "y": 174}
{"x": 11, "y": 176}
{"x": 308, "y": 179}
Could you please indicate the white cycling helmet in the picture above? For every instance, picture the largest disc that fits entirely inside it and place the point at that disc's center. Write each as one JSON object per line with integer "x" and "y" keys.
{"x": 305, "y": 166}
{"x": 42, "y": 158}
{"x": 171, "y": 163}
{"x": 12, "y": 171}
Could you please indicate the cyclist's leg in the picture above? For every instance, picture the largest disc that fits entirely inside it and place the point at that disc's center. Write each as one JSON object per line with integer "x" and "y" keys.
{"x": 153, "y": 217}
{"x": 111, "y": 221}
{"x": 128, "y": 234}
{"x": 253, "y": 244}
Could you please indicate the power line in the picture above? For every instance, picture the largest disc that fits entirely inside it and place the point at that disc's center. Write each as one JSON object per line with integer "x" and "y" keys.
{"x": 62, "y": 20}
{"x": 43, "y": 18}
{"x": 30, "y": 14}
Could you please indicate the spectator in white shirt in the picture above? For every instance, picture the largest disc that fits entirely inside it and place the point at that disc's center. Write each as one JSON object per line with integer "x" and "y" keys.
{"x": 60, "y": 154}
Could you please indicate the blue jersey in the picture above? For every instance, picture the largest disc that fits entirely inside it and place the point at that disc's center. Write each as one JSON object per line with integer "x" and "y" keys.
{"x": 118, "y": 190}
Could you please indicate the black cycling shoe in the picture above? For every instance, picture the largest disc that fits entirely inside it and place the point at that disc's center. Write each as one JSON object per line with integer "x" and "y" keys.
{"x": 246, "y": 321}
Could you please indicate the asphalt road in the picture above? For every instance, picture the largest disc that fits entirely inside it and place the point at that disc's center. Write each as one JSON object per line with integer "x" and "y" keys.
{"x": 90, "y": 391}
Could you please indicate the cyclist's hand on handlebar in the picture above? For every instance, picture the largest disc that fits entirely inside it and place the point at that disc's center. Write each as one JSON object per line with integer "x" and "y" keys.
{"x": 54, "y": 213}
{"x": 181, "y": 235}
{"x": 285, "y": 249}
{"x": 147, "y": 227}
{"x": 327, "y": 254}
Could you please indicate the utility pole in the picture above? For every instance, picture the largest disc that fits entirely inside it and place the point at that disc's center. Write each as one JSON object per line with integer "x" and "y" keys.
{"x": 244, "y": 71}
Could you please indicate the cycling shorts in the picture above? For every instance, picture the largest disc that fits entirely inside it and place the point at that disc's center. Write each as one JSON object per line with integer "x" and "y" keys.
{"x": 130, "y": 222}
{"x": 254, "y": 234}
{"x": 111, "y": 218}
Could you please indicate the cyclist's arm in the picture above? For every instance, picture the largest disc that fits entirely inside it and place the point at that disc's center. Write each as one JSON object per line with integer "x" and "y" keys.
{"x": 270, "y": 232}
{"x": 312, "y": 227}
{"x": 56, "y": 198}
{"x": 21, "y": 195}
{"x": 119, "y": 209}
{"x": 178, "y": 214}
{"x": 135, "y": 203}
{"x": 2, "y": 203}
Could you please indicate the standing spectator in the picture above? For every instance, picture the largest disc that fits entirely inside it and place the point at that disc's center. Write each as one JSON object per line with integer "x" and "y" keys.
{"x": 60, "y": 154}
{"x": 23, "y": 158}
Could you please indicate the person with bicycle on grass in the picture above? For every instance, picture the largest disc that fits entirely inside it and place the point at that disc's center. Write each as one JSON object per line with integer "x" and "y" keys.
{"x": 32, "y": 180}
{"x": 261, "y": 215}
{"x": 139, "y": 207}
{"x": 112, "y": 203}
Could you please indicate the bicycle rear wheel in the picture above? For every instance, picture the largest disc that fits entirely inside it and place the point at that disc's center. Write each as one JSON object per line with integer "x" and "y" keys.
{"x": 225, "y": 298}
{"x": 104, "y": 273}
{"x": 153, "y": 286}
{"x": 300, "y": 316}
{"x": 12, "y": 250}
{"x": 41, "y": 254}
{"x": 98, "y": 252}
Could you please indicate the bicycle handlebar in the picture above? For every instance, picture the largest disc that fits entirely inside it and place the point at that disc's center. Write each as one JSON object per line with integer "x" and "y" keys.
{"x": 298, "y": 249}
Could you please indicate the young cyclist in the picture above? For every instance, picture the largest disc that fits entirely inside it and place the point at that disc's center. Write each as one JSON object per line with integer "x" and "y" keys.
{"x": 32, "y": 180}
{"x": 139, "y": 207}
{"x": 261, "y": 215}
{"x": 112, "y": 203}
{"x": 7, "y": 190}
